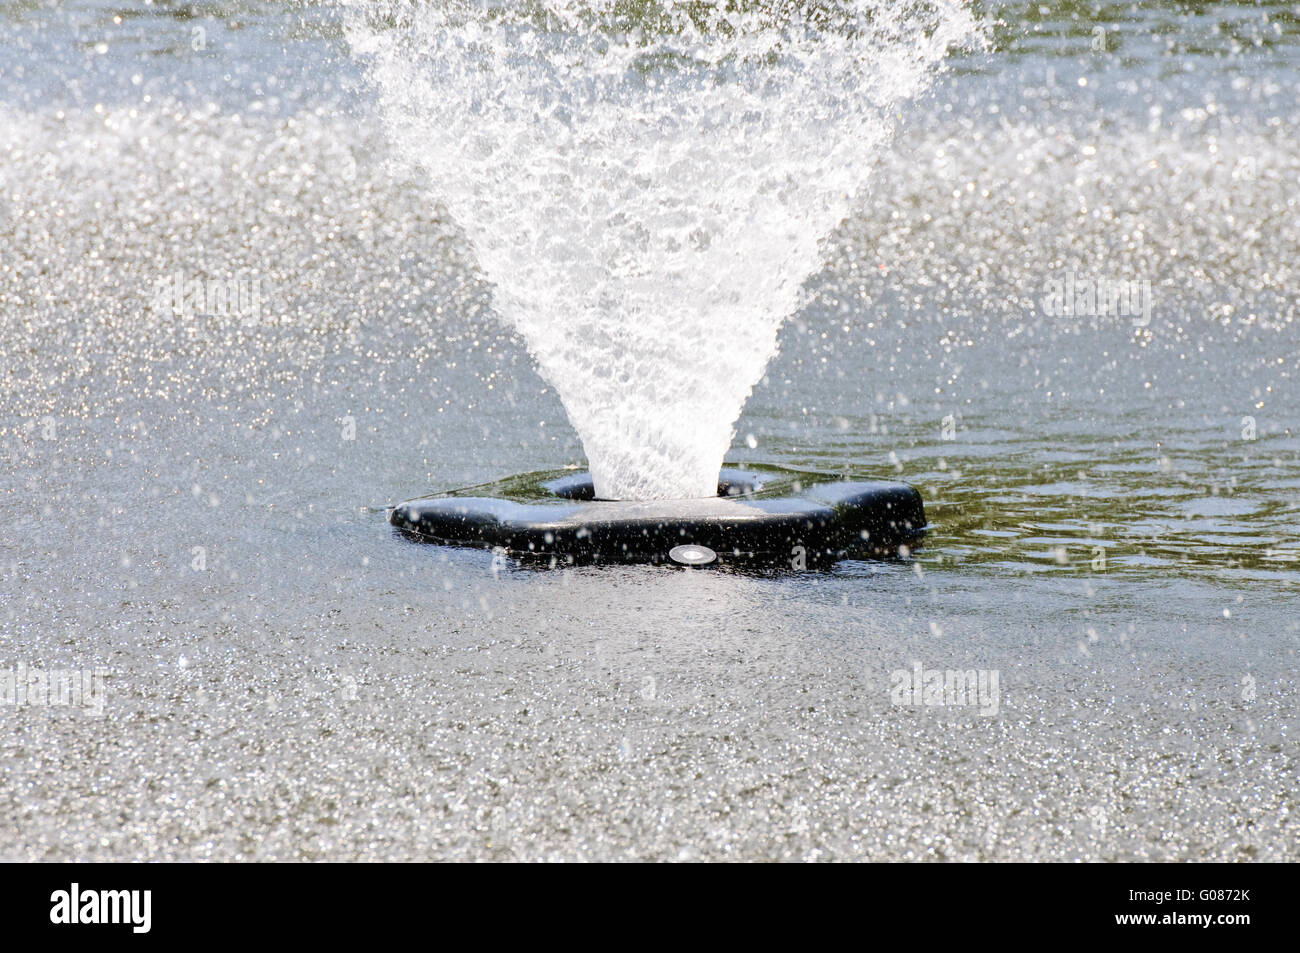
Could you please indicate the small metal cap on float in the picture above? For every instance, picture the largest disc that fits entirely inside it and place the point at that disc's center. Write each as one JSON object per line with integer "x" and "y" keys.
{"x": 692, "y": 555}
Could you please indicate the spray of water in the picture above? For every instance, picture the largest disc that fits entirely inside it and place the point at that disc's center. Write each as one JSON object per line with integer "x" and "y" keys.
{"x": 647, "y": 184}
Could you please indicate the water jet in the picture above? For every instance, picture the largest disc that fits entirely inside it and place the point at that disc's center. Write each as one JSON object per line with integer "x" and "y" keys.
{"x": 647, "y": 188}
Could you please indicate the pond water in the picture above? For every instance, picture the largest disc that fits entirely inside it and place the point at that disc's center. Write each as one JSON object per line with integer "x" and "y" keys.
{"x": 194, "y": 503}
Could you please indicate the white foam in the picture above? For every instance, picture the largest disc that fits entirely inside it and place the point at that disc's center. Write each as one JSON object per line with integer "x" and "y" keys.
{"x": 648, "y": 191}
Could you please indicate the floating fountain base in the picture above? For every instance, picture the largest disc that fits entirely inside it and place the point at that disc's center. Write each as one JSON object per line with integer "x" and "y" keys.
{"x": 819, "y": 523}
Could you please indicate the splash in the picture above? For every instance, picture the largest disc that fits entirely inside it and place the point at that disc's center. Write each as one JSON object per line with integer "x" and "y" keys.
{"x": 647, "y": 185}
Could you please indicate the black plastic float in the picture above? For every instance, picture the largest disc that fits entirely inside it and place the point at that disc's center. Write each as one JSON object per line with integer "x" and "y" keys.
{"x": 821, "y": 523}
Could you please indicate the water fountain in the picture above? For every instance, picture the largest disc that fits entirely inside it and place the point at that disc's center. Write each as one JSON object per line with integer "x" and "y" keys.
{"x": 647, "y": 185}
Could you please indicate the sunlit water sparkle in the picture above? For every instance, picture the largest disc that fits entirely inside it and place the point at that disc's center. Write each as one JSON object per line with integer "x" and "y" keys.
{"x": 324, "y": 690}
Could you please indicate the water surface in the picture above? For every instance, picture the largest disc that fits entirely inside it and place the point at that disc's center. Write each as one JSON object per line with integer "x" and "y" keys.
{"x": 196, "y": 503}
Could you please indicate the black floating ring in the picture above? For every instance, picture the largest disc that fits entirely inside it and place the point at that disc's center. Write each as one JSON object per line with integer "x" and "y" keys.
{"x": 822, "y": 523}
